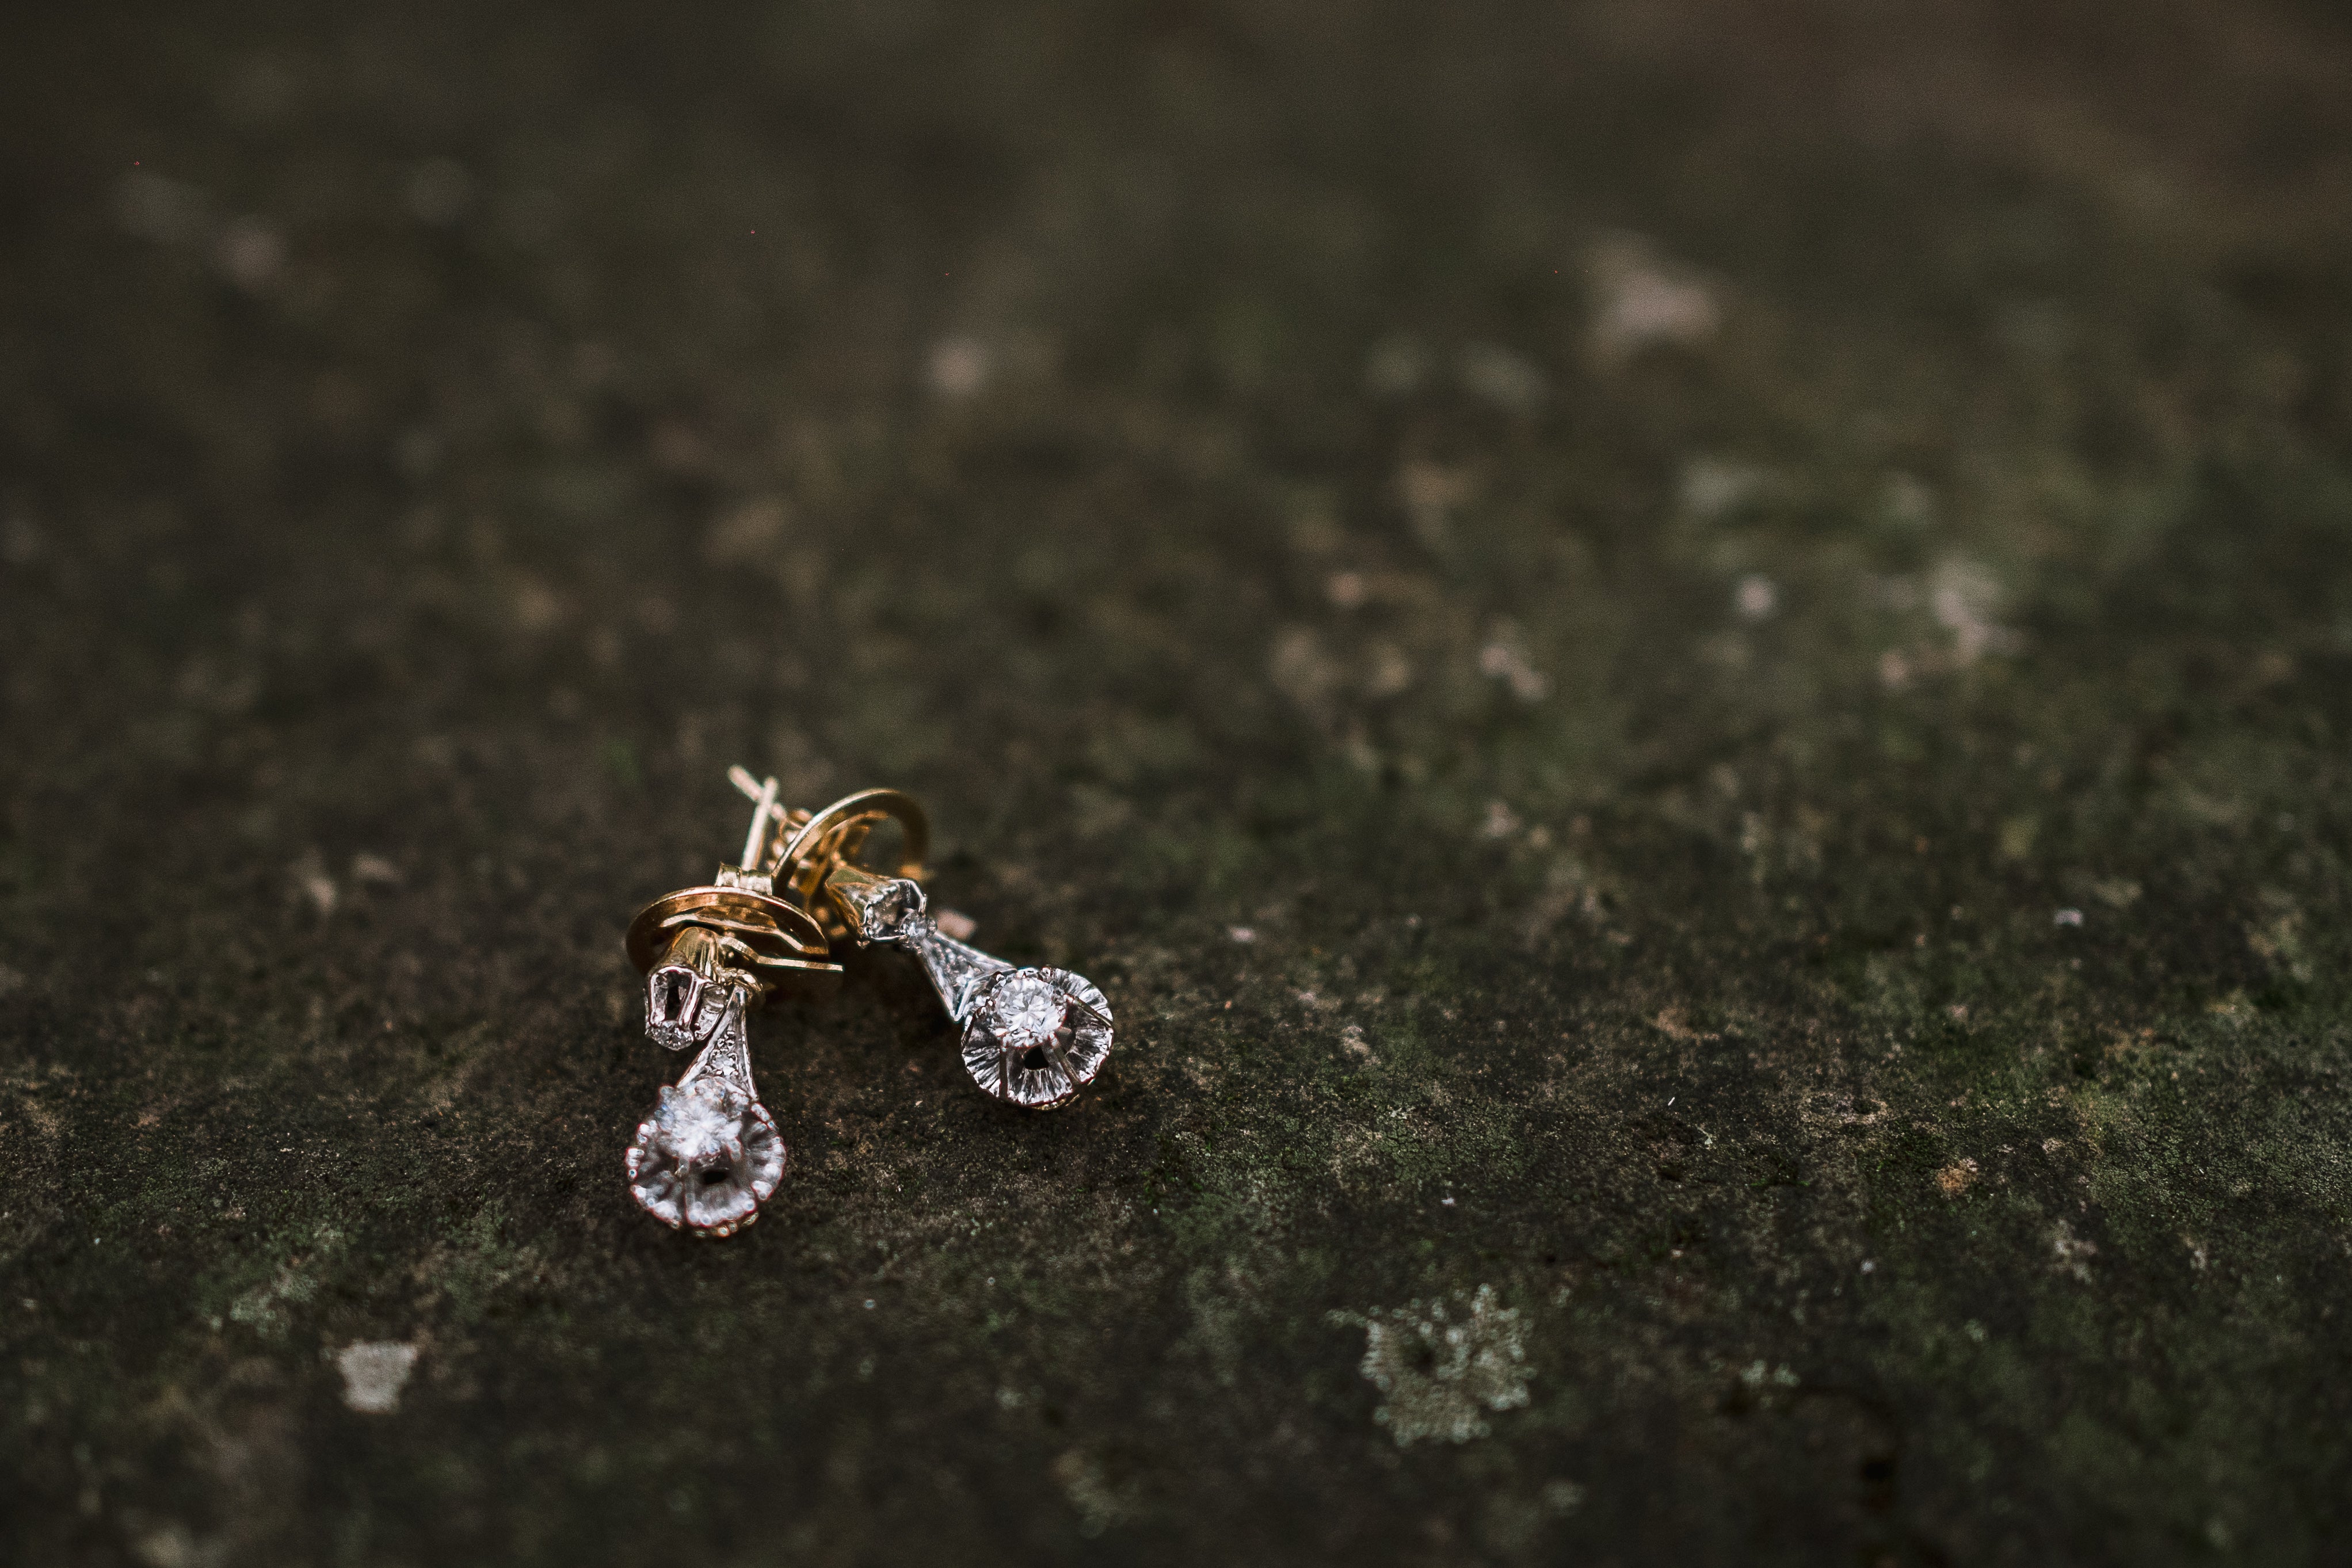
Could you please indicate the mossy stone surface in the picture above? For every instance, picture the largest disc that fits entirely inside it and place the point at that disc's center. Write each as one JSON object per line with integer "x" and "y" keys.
{"x": 1686, "y": 668}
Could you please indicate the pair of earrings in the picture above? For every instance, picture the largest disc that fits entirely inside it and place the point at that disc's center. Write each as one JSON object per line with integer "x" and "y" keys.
{"x": 771, "y": 925}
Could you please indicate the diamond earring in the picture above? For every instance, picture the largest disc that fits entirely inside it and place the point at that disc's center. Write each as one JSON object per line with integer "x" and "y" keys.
{"x": 1031, "y": 1036}
{"x": 709, "y": 1155}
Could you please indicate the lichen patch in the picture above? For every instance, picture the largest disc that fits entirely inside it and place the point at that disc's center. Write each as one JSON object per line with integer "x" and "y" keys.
{"x": 1441, "y": 1365}
{"x": 374, "y": 1371}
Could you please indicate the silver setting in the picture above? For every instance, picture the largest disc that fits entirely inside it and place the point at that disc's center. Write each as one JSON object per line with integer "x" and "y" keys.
{"x": 684, "y": 1008}
{"x": 1034, "y": 1037}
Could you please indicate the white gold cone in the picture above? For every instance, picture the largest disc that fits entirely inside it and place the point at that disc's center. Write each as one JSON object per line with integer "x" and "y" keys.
{"x": 1034, "y": 1037}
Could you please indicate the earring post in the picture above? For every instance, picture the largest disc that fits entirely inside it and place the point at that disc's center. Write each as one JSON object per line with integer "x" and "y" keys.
{"x": 765, "y": 792}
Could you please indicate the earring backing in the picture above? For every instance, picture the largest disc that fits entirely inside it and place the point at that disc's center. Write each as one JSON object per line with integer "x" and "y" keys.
{"x": 1034, "y": 1037}
{"x": 708, "y": 1153}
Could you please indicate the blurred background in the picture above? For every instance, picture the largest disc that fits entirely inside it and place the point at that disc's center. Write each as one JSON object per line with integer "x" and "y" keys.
{"x": 1682, "y": 664}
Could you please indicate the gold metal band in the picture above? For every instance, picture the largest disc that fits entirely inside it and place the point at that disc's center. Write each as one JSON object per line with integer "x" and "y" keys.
{"x": 786, "y": 950}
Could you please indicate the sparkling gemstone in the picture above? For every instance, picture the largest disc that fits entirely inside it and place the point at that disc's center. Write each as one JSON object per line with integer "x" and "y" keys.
{"x": 1036, "y": 1036}
{"x": 706, "y": 1158}
{"x": 1023, "y": 1009}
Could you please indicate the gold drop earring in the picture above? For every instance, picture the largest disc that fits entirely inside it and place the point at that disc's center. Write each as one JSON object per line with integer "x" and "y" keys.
{"x": 708, "y": 1153}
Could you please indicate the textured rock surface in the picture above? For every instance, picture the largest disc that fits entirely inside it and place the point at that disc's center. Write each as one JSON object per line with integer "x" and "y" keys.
{"x": 1686, "y": 669}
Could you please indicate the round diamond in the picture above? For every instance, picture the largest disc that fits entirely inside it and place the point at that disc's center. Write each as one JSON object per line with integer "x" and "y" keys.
{"x": 1023, "y": 1010}
{"x": 706, "y": 1159}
